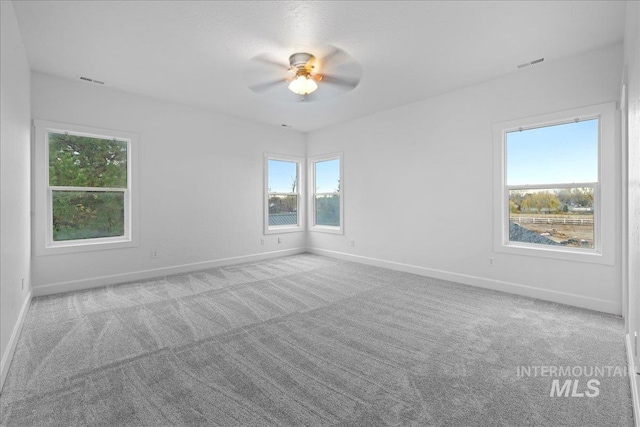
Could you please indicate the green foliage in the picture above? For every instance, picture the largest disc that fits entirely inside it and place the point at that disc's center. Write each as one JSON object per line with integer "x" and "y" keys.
{"x": 516, "y": 196}
{"x": 550, "y": 201}
{"x": 80, "y": 161}
{"x": 580, "y": 197}
{"x": 328, "y": 210}
{"x": 542, "y": 201}
{"x": 86, "y": 215}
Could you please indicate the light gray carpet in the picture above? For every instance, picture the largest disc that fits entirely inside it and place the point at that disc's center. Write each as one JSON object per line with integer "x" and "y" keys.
{"x": 307, "y": 340}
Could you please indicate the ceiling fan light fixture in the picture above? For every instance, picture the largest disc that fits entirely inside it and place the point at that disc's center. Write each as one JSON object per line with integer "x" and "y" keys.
{"x": 303, "y": 85}
{"x": 303, "y": 74}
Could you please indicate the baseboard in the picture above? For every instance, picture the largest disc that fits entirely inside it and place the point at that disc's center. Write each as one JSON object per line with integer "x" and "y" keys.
{"x": 634, "y": 377}
{"x": 7, "y": 357}
{"x": 94, "y": 282}
{"x": 513, "y": 288}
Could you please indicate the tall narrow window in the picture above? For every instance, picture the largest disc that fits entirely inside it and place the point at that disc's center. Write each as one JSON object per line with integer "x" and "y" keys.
{"x": 84, "y": 184}
{"x": 282, "y": 194}
{"x": 555, "y": 196}
{"x": 327, "y": 194}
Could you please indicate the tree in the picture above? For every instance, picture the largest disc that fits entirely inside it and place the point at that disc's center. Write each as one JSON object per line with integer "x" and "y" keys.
{"x": 328, "y": 210}
{"x": 580, "y": 197}
{"x": 81, "y": 161}
{"x": 541, "y": 201}
{"x": 516, "y": 197}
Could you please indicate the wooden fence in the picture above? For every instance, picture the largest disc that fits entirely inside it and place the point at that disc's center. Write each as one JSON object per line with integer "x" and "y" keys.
{"x": 564, "y": 220}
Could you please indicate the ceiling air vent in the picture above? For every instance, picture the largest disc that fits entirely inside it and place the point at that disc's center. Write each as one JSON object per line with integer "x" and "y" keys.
{"x": 87, "y": 79}
{"x": 534, "y": 62}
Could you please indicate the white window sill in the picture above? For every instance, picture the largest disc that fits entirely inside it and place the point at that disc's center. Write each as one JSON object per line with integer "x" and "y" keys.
{"x": 284, "y": 229}
{"x": 326, "y": 229}
{"x": 77, "y": 246}
{"x": 566, "y": 254}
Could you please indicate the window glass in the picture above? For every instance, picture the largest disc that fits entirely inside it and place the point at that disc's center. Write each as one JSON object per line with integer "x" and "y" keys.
{"x": 82, "y": 161}
{"x": 282, "y": 194}
{"x": 559, "y": 154}
{"x": 552, "y": 177}
{"x": 327, "y": 175}
{"x": 283, "y": 176}
{"x": 552, "y": 216}
{"x": 328, "y": 210}
{"x": 327, "y": 193}
{"x": 78, "y": 162}
{"x": 87, "y": 214}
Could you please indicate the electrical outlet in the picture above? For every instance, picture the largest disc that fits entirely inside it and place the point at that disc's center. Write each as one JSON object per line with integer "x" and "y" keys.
{"x": 154, "y": 253}
{"x": 279, "y": 240}
{"x": 262, "y": 241}
{"x": 491, "y": 262}
{"x": 353, "y": 243}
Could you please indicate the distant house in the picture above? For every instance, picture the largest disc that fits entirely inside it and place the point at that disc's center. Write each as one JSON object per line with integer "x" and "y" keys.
{"x": 580, "y": 209}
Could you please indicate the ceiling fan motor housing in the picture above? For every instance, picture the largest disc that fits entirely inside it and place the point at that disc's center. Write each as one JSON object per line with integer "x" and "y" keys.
{"x": 302, "y": 62}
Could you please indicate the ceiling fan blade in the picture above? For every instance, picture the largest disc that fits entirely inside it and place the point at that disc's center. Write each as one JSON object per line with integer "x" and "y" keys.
{"x": 342, "y": 81}
{"x": 329, "y": 57}
{"x": 261, "y": 87}
{"x": 268, "y": 60}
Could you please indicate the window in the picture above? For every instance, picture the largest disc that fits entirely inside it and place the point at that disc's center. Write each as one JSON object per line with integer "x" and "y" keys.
{"x": 282, "y": 194}
{"x": 327, "y": 194}
{"x": 555, "y": 188}
{"x": 83, "y": 188}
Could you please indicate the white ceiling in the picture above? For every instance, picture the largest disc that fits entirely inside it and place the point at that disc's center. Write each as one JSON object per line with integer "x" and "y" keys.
{"x": 195, "y": 52}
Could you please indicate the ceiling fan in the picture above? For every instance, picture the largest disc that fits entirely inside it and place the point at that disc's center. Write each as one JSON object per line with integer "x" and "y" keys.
{"x": 329, "y": 75}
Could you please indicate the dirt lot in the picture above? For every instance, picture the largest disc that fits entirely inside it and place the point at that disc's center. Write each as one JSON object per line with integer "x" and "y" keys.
{"x": 562, "y": 232}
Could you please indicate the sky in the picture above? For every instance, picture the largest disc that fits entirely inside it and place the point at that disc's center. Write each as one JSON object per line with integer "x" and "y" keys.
{"x": 560, "y": 154}
{"x": 327, "y": 176}
{"x": 282, "y": 174}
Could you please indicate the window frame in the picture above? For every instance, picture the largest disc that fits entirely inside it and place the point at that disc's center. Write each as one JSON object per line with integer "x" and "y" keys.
{"x": 605, "y": 199}
{"x": 43, "y": 192}
{"x": 312, "y": 191}
{"x": 300, "y": 167}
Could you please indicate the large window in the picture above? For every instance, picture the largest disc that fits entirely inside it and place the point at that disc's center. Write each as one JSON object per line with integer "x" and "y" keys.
{"x": 552, "y": 189}
{"x": 83, "y": 187}
{"x": 282, "y": 194}
{"x": 327, "y": 193}
{"x": 552, "y": 181}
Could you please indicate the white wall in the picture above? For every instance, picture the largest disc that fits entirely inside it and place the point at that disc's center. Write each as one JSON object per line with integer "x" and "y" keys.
{"x": 15, "y": 190}
{"x": 632, "y": 64}
{"x": 418, "y": 183}
{"x": 200, "y": 185}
